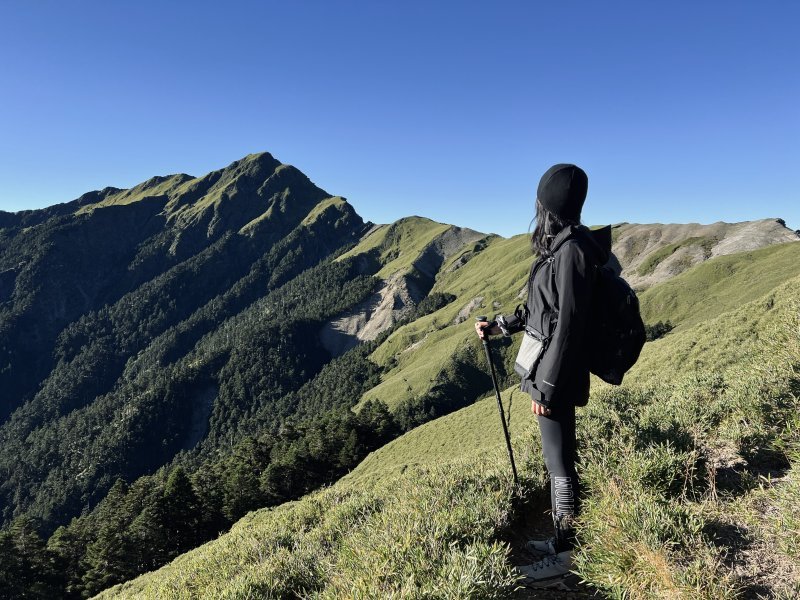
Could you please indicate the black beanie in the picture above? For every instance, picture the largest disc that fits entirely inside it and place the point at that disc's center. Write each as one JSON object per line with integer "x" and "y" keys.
{"x": 562, "y": 190}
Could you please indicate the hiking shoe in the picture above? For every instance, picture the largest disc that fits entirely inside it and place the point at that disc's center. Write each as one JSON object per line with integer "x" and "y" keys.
{"x": 547, "y": 546}
{"x": 551, "y": 571}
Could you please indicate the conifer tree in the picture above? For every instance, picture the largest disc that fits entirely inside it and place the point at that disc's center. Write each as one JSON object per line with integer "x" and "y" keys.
{"x": 182, "y": 510}
{"x": 26, "y": 567}
{"x": 67, "y": 546}
{"x": 110, "y": 559}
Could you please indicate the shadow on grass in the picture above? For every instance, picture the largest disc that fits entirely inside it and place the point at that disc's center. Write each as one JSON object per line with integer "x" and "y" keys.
{"x": 736, "y": 546}
{"x": 760, "y": 463}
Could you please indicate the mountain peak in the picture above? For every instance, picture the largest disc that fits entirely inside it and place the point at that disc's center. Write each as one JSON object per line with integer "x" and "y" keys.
{"x": 252, "y": 164}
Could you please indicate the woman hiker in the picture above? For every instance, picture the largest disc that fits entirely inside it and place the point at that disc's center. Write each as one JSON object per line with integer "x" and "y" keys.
{"x": 558, "y": 310}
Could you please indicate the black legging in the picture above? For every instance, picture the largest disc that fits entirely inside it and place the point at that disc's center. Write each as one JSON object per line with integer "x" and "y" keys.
{"x": 559, "y": 447}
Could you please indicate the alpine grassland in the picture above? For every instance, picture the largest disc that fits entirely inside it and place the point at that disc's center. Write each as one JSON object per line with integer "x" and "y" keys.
{"x": 720, "y": 284}
{"x": 400, "y": 243}
{"x": 690, "y": 468}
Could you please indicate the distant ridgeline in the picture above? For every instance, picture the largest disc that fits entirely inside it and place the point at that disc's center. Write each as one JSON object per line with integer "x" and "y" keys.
{"x": 175, "y": 355}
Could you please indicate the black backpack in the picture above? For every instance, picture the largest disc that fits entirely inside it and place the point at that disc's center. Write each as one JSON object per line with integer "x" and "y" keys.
{"x": 616, "y": 331}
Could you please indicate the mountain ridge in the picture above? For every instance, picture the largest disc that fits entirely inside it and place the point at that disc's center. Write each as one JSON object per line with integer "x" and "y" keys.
{"x": 83, "y": 293}
{"x": 652, "y": 253}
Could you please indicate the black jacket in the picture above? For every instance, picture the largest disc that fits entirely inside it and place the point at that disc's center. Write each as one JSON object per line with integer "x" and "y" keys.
{"x": 559, "y": 307}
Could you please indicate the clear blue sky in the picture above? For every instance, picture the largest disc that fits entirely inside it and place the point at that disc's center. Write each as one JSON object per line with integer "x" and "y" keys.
{"x": 678, "y": 111}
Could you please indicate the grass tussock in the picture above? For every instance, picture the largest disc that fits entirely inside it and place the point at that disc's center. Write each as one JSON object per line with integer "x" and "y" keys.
{"x": 634, "y": 542}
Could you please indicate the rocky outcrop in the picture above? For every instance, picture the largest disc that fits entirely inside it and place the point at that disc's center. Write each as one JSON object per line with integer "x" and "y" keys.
{"x": 398, "y": 294}
{"x": 652, "y": 253}
{"x": 464, "y": 313}
{"x": 443, "y": 246}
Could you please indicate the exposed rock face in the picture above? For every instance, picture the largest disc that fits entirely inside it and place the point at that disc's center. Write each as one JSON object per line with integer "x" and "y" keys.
{"x": 464, "y": 313}
{"x": 443, "y": 246}
{"x": 753, "y": 235}
{"x": 398, "y": 294}
{"x": 650, "y": 254}
{"x": 396, "y": 297}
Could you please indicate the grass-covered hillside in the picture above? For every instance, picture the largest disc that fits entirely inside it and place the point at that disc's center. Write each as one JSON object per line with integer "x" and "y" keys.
{"x": 434, "y": 357}
{"x": 692, "y": 480}
{"x": 653, "y": 253}
{"x": 720, "y": 284}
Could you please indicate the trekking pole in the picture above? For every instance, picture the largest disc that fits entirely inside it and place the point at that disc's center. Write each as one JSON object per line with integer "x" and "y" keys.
{"x": 499, "y": 404}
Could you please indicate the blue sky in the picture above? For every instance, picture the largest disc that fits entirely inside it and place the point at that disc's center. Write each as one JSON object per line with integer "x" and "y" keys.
{"x": 678, "y": 111}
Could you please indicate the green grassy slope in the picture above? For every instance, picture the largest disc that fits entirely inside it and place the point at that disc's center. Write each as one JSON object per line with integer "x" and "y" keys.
{"x": 499, "y": 271}
{"x": 426, "y": 515}
{"x": 720, "y": 284}
{"x": 155, "y": 186}
{"x": 400, "y": 243}
{"x": 460, "y": 434}
{"x": 251, "y": 192}
{"x": 652, "y": 253}
{"x": 496, "y": 273}
{"x": 348, "y": 542}
{"x": 722, "y": 342}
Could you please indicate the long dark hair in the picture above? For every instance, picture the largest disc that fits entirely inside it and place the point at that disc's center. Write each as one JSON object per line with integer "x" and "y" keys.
{"x": 548, "y": 224}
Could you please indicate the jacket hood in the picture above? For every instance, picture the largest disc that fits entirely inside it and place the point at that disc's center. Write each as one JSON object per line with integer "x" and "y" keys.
{"x": 597, "y": 242}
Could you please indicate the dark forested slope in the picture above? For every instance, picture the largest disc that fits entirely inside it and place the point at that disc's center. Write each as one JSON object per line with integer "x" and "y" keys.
{"x": 104, "y": 298}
